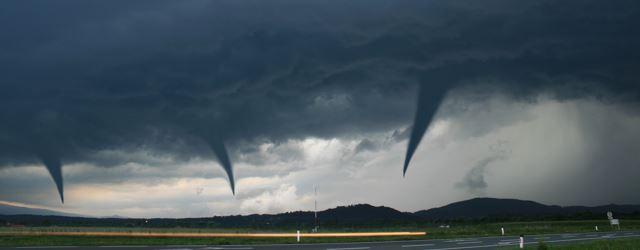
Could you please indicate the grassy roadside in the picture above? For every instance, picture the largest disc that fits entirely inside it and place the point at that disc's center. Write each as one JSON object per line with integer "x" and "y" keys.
{"x": 612, "y": 244}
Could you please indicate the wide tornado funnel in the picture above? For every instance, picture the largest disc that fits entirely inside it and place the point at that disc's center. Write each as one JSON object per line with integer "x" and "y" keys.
{"x": 428, "y": 102}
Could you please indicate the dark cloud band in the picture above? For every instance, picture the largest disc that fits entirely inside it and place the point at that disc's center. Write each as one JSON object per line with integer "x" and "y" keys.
{"x": 189, "y": 79}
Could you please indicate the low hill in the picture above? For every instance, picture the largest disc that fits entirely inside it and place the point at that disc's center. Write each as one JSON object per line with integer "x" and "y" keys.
{"x": 365, "y": 212}
{"x": 340, "y": 216}
{"x": 12, "y": 209}
{"x": 513, "y": 208}
{"x": 489, "y": 207}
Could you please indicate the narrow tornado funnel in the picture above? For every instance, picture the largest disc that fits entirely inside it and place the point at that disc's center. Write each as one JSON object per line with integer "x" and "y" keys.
{"x": 428, "y": 102}
{"x": 223, "y": 158}
{"x": 54, "y": 165}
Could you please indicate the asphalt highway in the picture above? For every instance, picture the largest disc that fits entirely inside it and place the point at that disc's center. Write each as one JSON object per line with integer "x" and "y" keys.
{"x": 441, "y": 244}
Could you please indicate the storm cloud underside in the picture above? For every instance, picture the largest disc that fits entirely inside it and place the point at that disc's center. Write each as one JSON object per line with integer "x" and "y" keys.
{"x": 174, "y": 78}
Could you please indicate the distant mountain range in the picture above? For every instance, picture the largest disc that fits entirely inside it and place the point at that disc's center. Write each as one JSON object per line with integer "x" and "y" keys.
{"x": 354, "y": 215}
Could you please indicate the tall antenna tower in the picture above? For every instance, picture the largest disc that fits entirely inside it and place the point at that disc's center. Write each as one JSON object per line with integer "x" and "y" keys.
{"x": 315, "y": 206}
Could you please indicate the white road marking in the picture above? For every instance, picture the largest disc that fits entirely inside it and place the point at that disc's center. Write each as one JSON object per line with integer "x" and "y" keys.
{"x": 185, "y": 246}
{"x": 459, "y": 240}
{"x": 469, "y": 242}
{"x": 419, "y": 245}
{"x": 467, "y": 247}
{"x": 121, "y": 246}
{"x": 48, "y": 247}
{"x": 236, "y": 248}
{"x": 349, "y": 248}
{"x": 595, "y": 238}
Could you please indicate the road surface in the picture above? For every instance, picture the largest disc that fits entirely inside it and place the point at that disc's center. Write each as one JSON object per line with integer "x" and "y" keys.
{"x": 441, "y": 244}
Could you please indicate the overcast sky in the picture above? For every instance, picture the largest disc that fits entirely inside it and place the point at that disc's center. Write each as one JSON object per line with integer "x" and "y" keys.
{"x": 141, "y": 103}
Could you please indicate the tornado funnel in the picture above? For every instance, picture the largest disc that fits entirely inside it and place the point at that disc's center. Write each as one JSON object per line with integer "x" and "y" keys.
{"x": 54, "y": 165}
{"x": 223, "y": 158}
{"x": 428, "y": 103}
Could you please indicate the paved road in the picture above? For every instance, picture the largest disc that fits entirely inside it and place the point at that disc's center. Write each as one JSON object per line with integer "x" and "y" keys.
{"x": 444, "y": 244}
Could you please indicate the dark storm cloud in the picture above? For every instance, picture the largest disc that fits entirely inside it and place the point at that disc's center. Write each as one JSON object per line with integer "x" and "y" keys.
{"x": 187, "y": 78}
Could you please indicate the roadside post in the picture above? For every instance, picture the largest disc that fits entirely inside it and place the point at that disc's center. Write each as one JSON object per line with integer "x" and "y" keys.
{"x": 596, "y": 228}
{"x": 502, "y": 229}
{"x": 612, "y": 221}
{"x": 522, "y": 241}
{"x": 615, "y": 222}
{"x": 298, "y": 235}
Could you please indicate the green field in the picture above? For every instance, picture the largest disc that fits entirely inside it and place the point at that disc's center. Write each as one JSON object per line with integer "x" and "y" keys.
{"x": 615, "y": 244}
{"x": 433, "y": 232}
